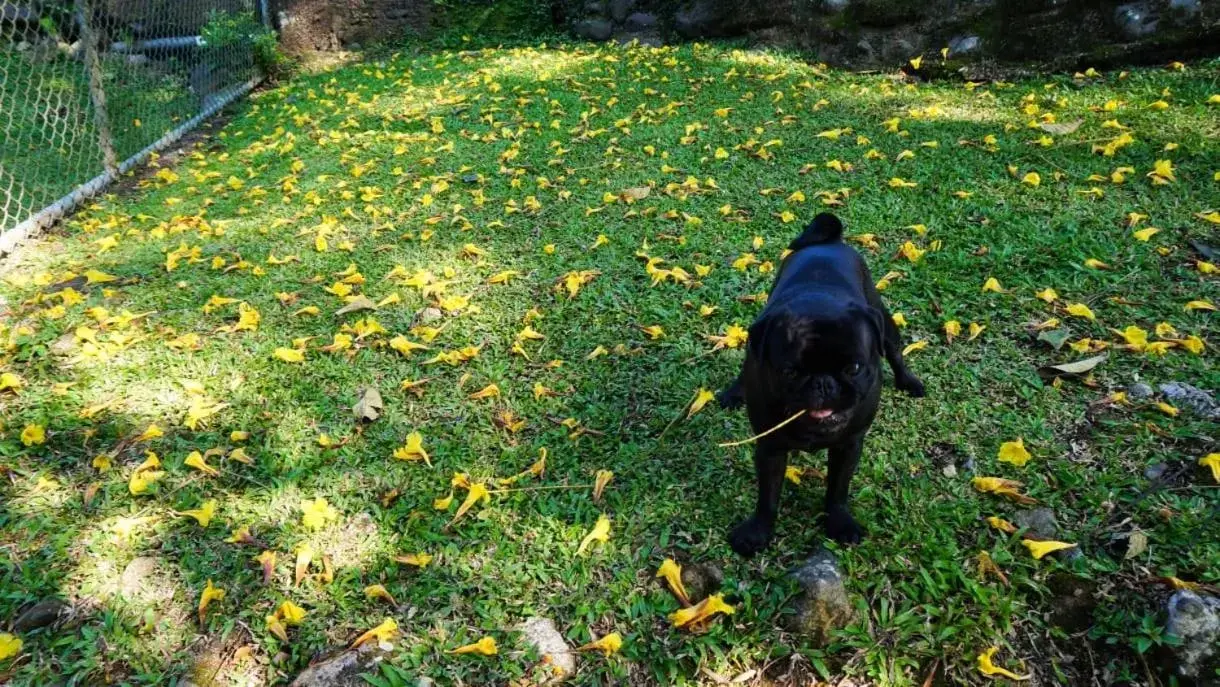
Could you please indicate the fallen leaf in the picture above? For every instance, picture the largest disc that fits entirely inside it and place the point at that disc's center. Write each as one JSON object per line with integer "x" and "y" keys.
{"x": 1060, "y": 128}
{"x": 1137, "y": 543}
{"x": 1014, "y": 452}
{"x": 1075, "y": 369}
{"x": 382, "y": 633}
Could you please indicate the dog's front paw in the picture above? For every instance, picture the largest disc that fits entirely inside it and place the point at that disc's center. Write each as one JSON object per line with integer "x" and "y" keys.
{"x": 750, "y": 536}
{"x": 910, "y": 384}
{"x": 842, "y": 527}
{"x": 731, "y": 398}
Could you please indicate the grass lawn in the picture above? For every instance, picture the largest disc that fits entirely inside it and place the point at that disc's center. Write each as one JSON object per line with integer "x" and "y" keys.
{"x": 565, "y": 229}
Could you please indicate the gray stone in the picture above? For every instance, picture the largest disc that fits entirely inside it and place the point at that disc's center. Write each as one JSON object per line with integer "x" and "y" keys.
{"x": 822, "y": 606}
{"x": 1153, "y": 472}
{"x": 964, "y": 45}
{"x": 595, "y": 8}
{"x": 641, "y": 21}
{"x": 428, "y": 315}
{"x": 701, "y": 580}
{"x": 1195, "y": 620}
{"x": 42, "y": 614}
{"x": 594, "y": 29}
{"x": 146, "y": 580}
{"x": 835, "y": 5}
{"x": 1136, "y": 19}
{"x": 342, "y": 669}
{"x": 697, "y": 19}
{"x": 1139, "y": 392}
{"x": 540, "y": 633}
{"x": 1039, "y": 523}
{"x": 1193, "y": 399}
{"x": 619, "y": 9}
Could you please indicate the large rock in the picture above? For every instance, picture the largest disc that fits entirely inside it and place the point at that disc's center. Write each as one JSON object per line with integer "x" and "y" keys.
{"x": 42, "y": 614}
{"x": 822, "y": 606}
{"x": 1192, "y": 399}
{"x": 698, "y": 19}
{"x": 541, "y": 634}
{"x": 594, "y": 29}
{"x": 1136, "y": 19}
{"x": 342, "y": 669}
{"x": 641, "y": 21}
{"x": 146, "y": 580}
{"x": 1195, "y": 621}
{"x": 619, "y": 9}
{"x": 1038, "y": 523}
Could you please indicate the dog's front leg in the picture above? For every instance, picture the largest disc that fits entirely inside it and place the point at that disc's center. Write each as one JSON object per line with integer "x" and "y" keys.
{"x": 754, "y": 533}
{"x": 842, "y": 460}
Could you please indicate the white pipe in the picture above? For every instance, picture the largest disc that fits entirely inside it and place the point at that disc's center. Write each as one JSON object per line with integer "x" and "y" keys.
{"x": 62, "y": 207}
{"x": 173, "y": 43}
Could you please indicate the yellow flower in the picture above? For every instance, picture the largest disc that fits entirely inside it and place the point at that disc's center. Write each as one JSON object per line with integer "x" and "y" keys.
{"x": 1032, "y": 179}
{"x": 291, "y": 613}
{"x": 610, "y": 644}
{"x": 1014, "y": 452}
{"x": 377, "y": 591}
{"x": 485, "y": 646}
{"x": 382, "y": 633}
{"x": 915, "y": 346}
{"x": 1001, "y": 524}
{"x": 316, "y": 513}
{"x": 953, "y": 328}
{"x": 203, "y": 514}
{"x": 413, "y": 449}
{"x": 600, "y": 532}
{"x": 701, "y": 611}
{"x": 1212, "y": 462}
{"x": 195, "y": 460}
{"x": 1048, "y": 294}
{"x": 290, "y": 355}
{"x": 1080, "y": 310}
{"x": 418, "y": 560}
{"x": 988, "y": 668}
{"x": 993, "y": 285}
{"x": 33, "y": 435}
{"x": 10, "y": 646}
{"x": 1145, "y": 233}
{"x": 1199, "y": 305}
{"x": 702, "y": 398}
{"x": 672, "y": 574}
{"x": 210, "y": 593}
{"x": 1038, "y": 549}
{"x": 11, "y": 382}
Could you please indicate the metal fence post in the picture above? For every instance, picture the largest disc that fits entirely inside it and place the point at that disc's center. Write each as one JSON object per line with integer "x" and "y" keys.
{"x": 97, "y": 90}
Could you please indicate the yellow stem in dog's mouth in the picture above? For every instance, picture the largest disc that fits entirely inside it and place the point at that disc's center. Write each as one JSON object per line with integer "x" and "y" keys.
{"x": 756, "y": 437}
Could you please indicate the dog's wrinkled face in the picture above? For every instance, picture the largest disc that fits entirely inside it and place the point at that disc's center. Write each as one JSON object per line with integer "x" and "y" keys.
{"x": 828, "y": 365}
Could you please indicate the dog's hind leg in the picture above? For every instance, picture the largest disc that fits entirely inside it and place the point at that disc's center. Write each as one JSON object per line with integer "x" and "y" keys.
{"x": 733, "y": 396}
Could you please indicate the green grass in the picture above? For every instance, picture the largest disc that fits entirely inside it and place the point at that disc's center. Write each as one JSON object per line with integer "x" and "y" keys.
{"x": 921, "y": 603}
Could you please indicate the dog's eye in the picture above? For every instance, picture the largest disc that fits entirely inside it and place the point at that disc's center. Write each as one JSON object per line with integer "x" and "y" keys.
{"x": 853, "y": 369}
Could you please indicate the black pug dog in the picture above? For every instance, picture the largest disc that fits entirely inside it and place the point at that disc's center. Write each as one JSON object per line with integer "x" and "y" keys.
{"x": 816, "y": 347}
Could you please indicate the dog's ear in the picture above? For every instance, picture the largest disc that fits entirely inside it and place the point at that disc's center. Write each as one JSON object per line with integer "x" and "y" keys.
{"x": 764, "y": 329}
{"x": 825, "y": 228}
{"x": 876, "y": 319}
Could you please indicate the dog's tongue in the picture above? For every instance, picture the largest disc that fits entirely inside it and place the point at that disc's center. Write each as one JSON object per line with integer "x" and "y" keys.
{"x": 821, "y": 414}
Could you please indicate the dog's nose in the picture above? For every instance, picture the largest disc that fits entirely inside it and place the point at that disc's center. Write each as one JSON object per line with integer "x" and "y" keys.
{"x": 823, "y": 389}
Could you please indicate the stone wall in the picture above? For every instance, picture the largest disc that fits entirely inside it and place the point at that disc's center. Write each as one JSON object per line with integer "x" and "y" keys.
{"x": 864, "y": 33}
{"x": 307, "y": 25}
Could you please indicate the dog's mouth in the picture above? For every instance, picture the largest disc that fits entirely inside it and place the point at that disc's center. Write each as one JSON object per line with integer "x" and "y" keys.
{"x": 821, "y": 413}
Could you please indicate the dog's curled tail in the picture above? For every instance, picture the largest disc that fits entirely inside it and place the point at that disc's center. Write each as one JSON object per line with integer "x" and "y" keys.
{"x": 825, "y": 228}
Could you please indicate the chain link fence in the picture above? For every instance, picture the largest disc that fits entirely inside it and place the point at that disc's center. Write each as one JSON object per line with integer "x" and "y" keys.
{"x": 90, "y": 88}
